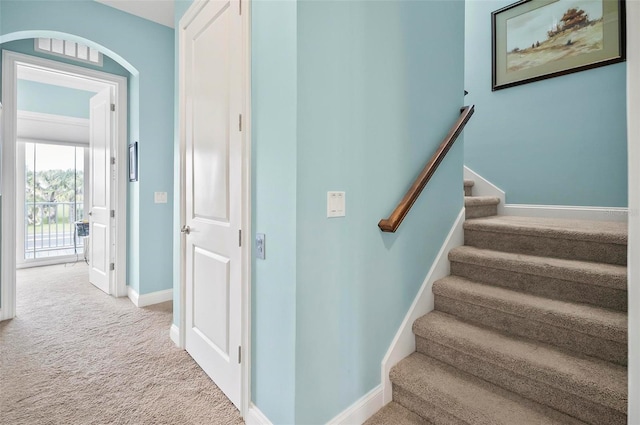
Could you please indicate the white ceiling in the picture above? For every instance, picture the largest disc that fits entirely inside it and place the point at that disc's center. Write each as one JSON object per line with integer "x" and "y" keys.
{"x": 160, "y": 11}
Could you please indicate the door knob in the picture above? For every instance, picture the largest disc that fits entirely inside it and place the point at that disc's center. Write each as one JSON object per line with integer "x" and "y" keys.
{"x": 185, "y": 229}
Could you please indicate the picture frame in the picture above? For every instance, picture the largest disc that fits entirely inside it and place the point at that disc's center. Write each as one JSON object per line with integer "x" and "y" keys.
{"x": 533, "y": 40}
{"x": 133, "y": 162}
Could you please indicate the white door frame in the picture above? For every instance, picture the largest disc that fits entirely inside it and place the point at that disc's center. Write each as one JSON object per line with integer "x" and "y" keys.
{"x": 188, "y": 17}
{"x": 8, "y": 136}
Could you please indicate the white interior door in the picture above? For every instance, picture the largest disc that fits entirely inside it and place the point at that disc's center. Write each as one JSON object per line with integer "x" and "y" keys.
{"x": 213, "y": 173}
{"x": 100, "y": 128}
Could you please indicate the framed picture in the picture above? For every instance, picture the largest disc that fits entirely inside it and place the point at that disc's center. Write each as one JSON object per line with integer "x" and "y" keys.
{"x": 133, "y": 162}
{"x": 537, "y": 39}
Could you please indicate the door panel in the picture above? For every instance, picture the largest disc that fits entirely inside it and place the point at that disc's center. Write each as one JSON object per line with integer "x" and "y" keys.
{"x": 210, "y": 298}
{"x": 211, "y": 119}
{"x": 100, "y": 125}
{"x": 213, "y": 182}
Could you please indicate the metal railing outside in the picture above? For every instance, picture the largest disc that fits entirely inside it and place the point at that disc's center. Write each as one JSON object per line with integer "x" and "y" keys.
{"x": 50, "y": 230}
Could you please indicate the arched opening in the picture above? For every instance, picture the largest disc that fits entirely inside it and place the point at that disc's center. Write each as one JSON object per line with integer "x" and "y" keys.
{"x": 127, "y": 117}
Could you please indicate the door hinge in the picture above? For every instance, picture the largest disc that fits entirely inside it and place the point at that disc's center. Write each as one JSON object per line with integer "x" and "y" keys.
{"x": 240, "y": 122}
{"x": 113, "y": 160}
{"x": 240, "y": 7}
{"x": 240, "y": 237}
{"x": 239, "y": 354}
{"x": 112, "y": 266}
{"x": 113, "y": 213}
{"x": 113, "y": 107}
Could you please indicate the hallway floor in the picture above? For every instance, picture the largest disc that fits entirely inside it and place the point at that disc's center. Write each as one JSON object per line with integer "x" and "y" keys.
{"x": 74, "y": 355}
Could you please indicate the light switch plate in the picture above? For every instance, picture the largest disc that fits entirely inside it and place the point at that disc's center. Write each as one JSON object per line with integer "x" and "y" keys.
{"x": 260, "y": 246}
{"x": 336, "y": 204}
{"x": 160, "y": 197}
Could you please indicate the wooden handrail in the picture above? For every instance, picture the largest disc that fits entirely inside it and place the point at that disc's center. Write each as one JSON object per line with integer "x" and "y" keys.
{"x": 392, "y": 223}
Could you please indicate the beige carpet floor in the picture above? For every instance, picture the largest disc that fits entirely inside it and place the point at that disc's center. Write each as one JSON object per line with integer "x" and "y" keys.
{"x": 74, "y": 355}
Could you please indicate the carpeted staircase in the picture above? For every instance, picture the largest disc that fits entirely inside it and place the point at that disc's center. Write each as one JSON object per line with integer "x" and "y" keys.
{"x": 529, "y": 328}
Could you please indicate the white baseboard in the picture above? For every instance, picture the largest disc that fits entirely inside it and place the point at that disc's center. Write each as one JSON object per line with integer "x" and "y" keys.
{"x": 145, "y": 300}
{"x": 361, "y": 410}
{"x": 483, "y": 187}
{"x": 568, "y": 212}
{"x": 404, "y": 342}
{"x": 255, "y": 417}
{"x": 174, "y": 334}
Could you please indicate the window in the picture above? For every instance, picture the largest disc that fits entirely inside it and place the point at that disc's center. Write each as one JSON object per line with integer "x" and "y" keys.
{"x": 54, "y": 187}
{"x": 68, "y": 49}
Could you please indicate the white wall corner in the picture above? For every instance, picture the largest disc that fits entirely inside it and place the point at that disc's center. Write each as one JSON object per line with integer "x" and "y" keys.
{"x": 145, "y": 300}
{"x": 174, "y": 334}
{"x": 483, "y": 187}
{"x": 404, "y": 342}
{"x": 255, "y": 417}
{"x": 361, "y": 410}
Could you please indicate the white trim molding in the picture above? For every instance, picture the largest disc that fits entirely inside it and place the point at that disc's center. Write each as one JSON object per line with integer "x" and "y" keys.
{"x": 46, "y": 76}
{"x": 404, "y": 342}
{"x": 174, "y": 334}
{"x": 255, "y": 416}
{"x": 35, "y": 126}
{"x": 152, "y": 298}
{"x": 484, "y": 187}
{"x": 361, "y": 410}
{"x": 246, "y": 5}
{"x": 8, "y": 125}
{"x": 567, "y": 211}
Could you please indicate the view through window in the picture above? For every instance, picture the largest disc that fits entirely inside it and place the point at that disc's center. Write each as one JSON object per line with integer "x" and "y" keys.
{"x": 54, "y": 199}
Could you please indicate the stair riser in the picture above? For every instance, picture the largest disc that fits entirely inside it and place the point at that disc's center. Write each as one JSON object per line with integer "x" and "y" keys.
{"x": 430, "y": 411}
{"x": 525, "y": 327}
{"x": 468, "y": 191}
{"x": 544, "y": 286}
{"x": 563, "y": 401}
{"x": 547, "y": 247}
{"x": 479, "y": 211}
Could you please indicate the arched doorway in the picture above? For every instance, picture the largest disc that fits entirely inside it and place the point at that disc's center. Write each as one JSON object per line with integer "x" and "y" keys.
{"x": 115, "y": 278}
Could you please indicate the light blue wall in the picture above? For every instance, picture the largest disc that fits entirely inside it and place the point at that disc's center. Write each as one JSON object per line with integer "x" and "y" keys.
{"x": 560, "y": 141}
{"x": 55, "y": 100}
{"x": 146, "y": 50}
{"x": 274, "y": 154}
{"x": 360, "y": 107}
{"x": 379, "y": 85}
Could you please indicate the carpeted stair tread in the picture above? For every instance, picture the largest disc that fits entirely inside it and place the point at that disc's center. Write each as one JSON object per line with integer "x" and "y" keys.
{"x": 475, "y": 201}
{"x": 480, "y": 206}
{"x": 595, "y": 380}
{"x": 600, "y": 274}
{"x": 449, "y": 396}
{"x": 468, "y": 187}
{"x": 597, "y": 231}
{"x": 601, "y": 323}
{"x": 395, "y": 414}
